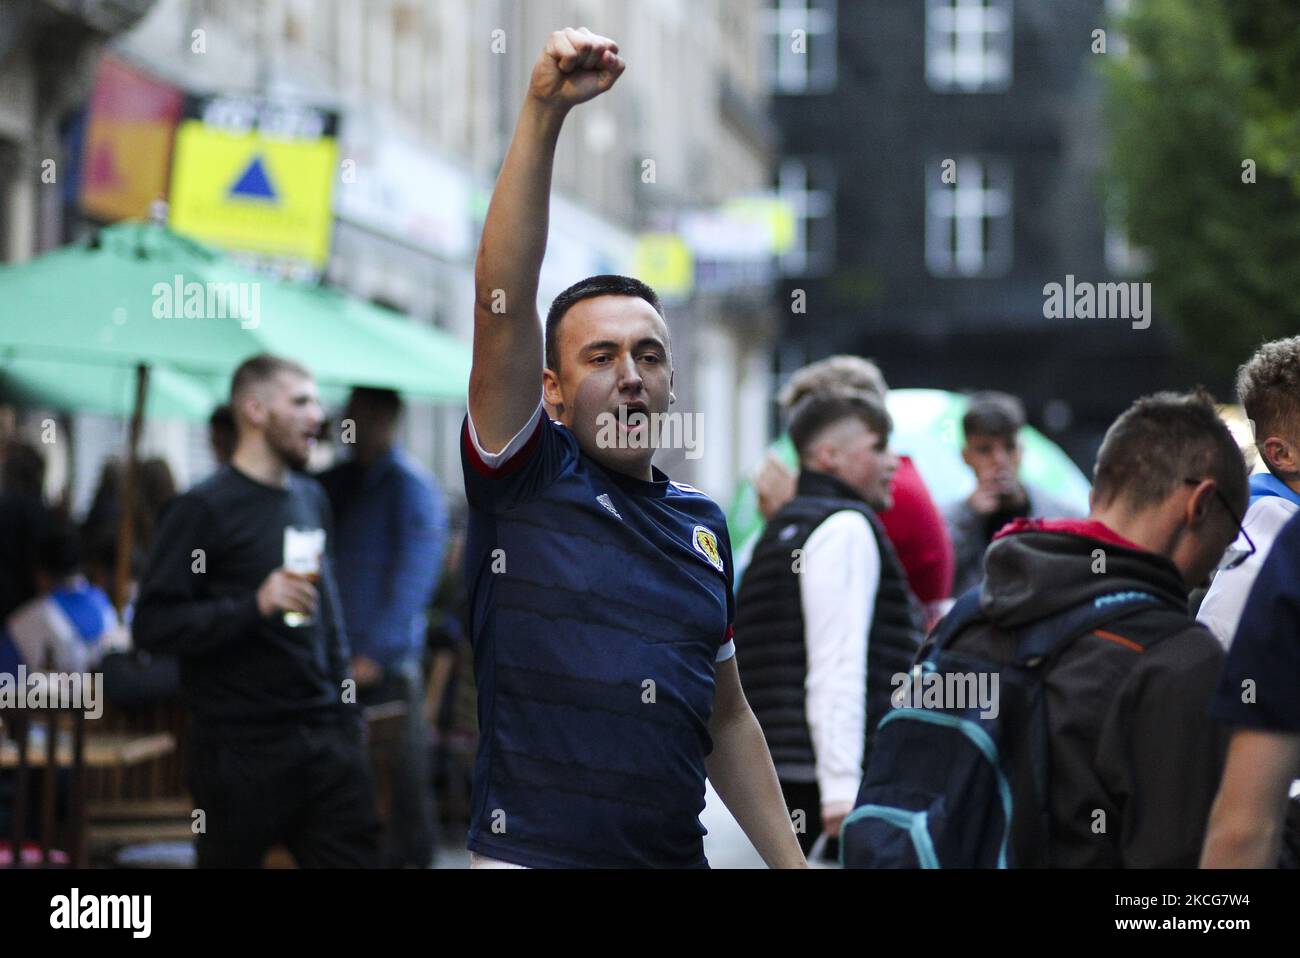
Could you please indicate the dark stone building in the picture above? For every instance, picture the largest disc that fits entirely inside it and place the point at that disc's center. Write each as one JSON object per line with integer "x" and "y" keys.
{"x": 947, "y": 161}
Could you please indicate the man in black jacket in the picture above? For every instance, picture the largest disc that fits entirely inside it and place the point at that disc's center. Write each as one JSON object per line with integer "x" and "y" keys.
{"x": 1135, "y": 758}
{"x": 825, "y": 612}
{"x": 276, "y": 753}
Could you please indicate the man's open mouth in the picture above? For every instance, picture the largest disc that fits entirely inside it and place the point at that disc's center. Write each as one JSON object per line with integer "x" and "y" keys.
{"x": 633, "y": 416}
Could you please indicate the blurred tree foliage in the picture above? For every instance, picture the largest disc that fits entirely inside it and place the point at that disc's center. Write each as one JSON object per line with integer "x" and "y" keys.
{"x": 1204, "y": 86}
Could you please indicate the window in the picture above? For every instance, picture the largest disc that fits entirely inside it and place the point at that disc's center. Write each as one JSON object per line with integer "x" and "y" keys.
{"x": 808, "y": 185}
{"x": 968, "y": 45}
{"x": 9, "y": 176}
{"x": 1122, "y": 258}
{"x": 377, "y": 23}
{"x": 968, "y": 222}
{"x": 802, "y": 38}
{"x": 1117, "y": 12}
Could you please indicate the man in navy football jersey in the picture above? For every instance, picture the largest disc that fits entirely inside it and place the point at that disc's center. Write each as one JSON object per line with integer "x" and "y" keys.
{"x": 1259, "y": 697}
{"x": 601, "y": 600}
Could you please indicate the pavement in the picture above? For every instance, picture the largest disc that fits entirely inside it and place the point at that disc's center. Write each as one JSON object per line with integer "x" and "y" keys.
{"x": 725, "y": 845}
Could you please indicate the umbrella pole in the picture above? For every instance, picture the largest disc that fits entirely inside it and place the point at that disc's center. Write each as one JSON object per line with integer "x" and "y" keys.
{"x": 126, "y": 520}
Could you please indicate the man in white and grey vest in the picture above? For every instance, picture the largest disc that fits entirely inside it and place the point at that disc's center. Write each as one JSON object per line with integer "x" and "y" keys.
{"x": 826, "y": 612}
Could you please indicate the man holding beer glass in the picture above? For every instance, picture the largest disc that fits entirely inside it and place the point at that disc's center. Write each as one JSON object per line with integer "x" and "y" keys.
{"x": 239, "y": 586}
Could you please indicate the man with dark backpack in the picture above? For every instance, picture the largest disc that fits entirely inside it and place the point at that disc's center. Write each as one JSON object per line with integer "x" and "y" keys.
{"x": 1097, "y": 749}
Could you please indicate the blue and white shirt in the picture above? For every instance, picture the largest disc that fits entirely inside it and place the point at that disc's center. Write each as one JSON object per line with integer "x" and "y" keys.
{"x": 68, "y": 630}
{"x": 1260, "y": 684}
{"x": 1272, "y": 504}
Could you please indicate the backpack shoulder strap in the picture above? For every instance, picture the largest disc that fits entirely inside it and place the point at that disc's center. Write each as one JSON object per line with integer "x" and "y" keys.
{"x": 965, "y": 611}
{"x": 1046, "y": 638}
{"x": 1037, "y": 645}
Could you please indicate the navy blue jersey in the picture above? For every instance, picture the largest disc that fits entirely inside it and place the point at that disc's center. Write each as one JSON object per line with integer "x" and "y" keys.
{"x": 1266, "y": 649}
{"x": 599, "y": 604}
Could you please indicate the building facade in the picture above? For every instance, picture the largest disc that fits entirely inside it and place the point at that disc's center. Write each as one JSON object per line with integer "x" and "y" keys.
{"x": 48, "y": 51}
{"x": 427, "y": 92}
{"x": 946, "y": 158}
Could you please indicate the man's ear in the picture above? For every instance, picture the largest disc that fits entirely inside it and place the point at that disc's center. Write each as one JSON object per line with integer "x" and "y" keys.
{"x": 251, "y": 408}
{"x": 822, "y": 456}
{"x": 1199, "y": 502}
{"x": 1279, "y": 454}
{"x": 965, "y": 455}
{"x": 551, "y": 393}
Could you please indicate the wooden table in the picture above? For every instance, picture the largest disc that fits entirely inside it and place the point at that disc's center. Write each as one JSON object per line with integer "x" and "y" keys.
{"x": 103, "y": 750}
{"x": 77, "y": 750}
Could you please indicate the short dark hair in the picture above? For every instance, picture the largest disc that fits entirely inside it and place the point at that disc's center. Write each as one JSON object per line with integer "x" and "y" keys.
{"x": 222, "y": 418}
{"x": 58, "y": 550}
{"x": 993, "y": 414}
{"x": 23, "y": 469}
{"x": 607, "y": 284}
{"x": 222, "y": 431}
{"x": 1161, "y": 440}
{"x": 817, "y": 411}
{"x": 1268, "y": 386}
{"x": 258, "y": 369}
{"x": 388, "y": 402}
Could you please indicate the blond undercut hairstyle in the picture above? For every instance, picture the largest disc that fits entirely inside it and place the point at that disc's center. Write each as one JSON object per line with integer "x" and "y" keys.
{"x": 1268, "y": 387}
{"x": 838, "y": 375}
{"x": 817, "y": 412}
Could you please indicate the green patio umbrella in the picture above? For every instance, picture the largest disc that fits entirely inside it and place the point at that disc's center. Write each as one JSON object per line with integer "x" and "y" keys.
{"x": 380, "y": 347}
{"x": 139, "y": 293}
{"x": 107, "y": 390}
{"x": 140, "y": 297}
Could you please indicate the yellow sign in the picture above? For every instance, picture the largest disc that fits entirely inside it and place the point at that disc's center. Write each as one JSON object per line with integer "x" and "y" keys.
{"x": 767, "y": 213}
{"x": 663, "y": 261}
{"x": 254, "y": 192}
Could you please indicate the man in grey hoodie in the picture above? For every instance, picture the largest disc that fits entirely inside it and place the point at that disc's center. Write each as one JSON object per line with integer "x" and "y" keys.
{"x": 991, "y": 447}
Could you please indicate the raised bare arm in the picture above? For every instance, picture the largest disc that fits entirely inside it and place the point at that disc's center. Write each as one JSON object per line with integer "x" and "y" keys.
{"x": 506, "y": 380}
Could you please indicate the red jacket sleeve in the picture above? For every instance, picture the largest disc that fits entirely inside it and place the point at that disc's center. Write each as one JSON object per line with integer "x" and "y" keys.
{"x": 919, "y": 534}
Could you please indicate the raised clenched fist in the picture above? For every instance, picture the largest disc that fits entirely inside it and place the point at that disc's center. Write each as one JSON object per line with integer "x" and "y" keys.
{"x": 576, "y": 66}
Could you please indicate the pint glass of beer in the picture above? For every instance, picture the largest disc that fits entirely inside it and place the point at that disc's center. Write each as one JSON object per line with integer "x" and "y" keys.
{"x": 302, "y": 552}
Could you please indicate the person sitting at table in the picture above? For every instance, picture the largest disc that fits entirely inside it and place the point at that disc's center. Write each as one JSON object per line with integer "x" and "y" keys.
{"x": 70, "y": 624}
{"x": 67, "y": 627}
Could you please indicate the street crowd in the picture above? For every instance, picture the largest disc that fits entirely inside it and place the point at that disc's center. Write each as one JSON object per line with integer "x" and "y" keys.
{"x": 1147, "y": 653}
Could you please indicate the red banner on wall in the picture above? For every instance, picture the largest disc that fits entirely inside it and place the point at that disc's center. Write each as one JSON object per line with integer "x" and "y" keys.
{"x": 128, "y": 146}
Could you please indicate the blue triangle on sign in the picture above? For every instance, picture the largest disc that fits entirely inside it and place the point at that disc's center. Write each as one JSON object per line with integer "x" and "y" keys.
{"x": 253, "y": 183}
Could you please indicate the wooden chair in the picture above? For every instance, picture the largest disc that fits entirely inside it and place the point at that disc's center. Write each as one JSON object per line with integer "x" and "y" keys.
{"x": 60, "y": 751}
{"x": 140, "y": 802}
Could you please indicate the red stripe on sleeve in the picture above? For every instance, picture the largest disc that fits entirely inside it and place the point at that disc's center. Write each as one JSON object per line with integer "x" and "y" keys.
{"x": 511, "y": 464}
